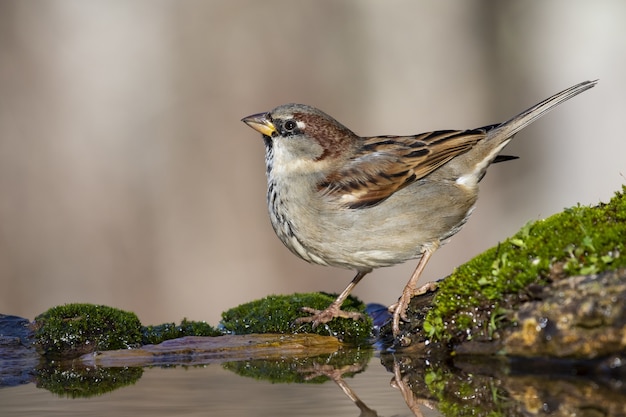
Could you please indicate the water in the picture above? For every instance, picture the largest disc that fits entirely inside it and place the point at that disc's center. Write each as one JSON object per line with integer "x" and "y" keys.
{"x": 179, "y": 378}
{"x": 212, "y": 390}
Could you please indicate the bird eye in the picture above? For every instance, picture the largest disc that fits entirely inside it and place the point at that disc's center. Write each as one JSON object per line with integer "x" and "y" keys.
{"x": 290, "y": 125}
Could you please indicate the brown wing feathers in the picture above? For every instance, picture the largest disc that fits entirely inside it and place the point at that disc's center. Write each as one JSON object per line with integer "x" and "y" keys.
{"x": 386, "y": 164}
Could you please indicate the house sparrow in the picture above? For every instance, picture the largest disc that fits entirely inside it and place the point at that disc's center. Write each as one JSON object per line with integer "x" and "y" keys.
{"x": 361, "y": 203}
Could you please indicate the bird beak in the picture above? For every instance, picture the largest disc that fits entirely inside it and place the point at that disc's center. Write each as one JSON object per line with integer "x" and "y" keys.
{"x": 261, "y": 123}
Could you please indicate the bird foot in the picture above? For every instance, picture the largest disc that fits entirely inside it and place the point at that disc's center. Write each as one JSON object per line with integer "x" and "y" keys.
{"x": 324, "y": 316}
{"x": 399, "y": 309}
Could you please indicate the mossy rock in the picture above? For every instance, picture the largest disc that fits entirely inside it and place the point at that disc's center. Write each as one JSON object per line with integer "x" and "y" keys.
{"x": 477, "y": 299}
{"x": 167, "y": 331}
{"x": 277, "y": 313}
{"x": 71, "y": 330}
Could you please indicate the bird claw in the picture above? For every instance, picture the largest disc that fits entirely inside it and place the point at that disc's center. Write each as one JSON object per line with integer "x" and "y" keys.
{"x": 324, "y": 316}
{"x": 428, "y": 287}
{"x": 399, "y": 309}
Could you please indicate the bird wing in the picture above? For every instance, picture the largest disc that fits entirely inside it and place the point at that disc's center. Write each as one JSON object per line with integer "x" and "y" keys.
{"x": 386, "y": 164}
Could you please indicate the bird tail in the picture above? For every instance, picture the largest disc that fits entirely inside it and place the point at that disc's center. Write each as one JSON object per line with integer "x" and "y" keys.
{"x": 515, "y": 124}
{"x": 498, "y": 136}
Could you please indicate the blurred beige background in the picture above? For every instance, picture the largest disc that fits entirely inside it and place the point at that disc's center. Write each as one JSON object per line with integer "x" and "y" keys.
{"x": 127, "y": 179}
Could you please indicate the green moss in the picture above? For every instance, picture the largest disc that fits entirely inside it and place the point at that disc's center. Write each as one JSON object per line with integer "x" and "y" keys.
{"x": 72, "y": 330}
{"x": 277, "y": 313}
{"x": 473, "y": 300}
{"x": 167, "y": 331}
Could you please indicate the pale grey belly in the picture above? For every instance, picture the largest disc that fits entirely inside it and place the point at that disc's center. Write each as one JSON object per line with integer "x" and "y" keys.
{"x": 391, "y": 232}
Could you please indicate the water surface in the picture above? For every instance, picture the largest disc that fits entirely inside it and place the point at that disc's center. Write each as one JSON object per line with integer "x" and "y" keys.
{"x": 214, "y": 391}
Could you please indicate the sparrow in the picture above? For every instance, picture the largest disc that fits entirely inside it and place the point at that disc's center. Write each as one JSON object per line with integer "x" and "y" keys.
{"x": 357, "y": 202}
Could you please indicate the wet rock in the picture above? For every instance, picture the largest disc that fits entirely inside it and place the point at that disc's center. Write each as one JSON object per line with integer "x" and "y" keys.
{"x": 576, "y": 317}
{"x": 200, "y": 350}
{"x": 18, "y": 357}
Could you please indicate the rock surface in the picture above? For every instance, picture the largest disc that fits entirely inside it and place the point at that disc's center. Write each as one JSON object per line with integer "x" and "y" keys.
{"x": 18, "y": 357}
{"x": 576, "y": 317}
{"x": 197, "y": 350}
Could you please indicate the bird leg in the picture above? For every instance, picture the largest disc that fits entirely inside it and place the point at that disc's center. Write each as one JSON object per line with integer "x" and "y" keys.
{"x": 334, "y": 309}
{"x": 410, "y": 290}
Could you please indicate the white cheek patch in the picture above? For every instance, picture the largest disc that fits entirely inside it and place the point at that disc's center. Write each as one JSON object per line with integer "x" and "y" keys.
{"x": 301, "y": 125}
{"x": 285, "y": 163}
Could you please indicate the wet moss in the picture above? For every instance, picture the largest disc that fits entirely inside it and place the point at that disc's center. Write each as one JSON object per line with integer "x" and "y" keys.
{"x": 162, "y": 332}
{"x": 277, "y": 313}
{"x": 474, "y": 301}
{"x": 72, "y": 330}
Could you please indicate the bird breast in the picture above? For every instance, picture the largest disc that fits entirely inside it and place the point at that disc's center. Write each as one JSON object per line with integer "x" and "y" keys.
{"x": 320, "y": 230}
